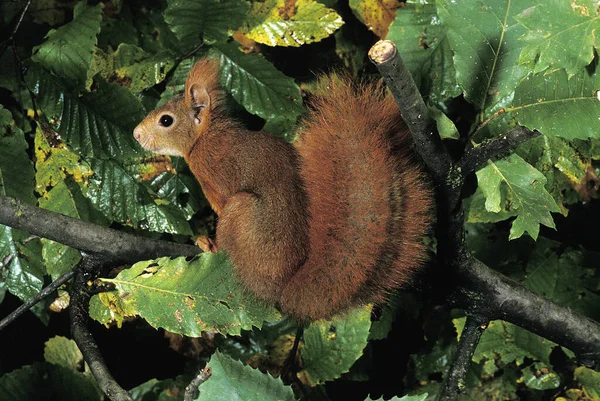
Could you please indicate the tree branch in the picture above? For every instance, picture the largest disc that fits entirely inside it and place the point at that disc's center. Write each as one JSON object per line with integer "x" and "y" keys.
{"x": 493, "y": 148}
{"x": 469, "y": 339}
{"x": 427, "y": 141}
{"x": 88, "y": 270}
{"x": 15, "y": 29}
{"x": 37, "y": 298}
{"x": 120, "y": 247}
{"x": 192, "y": 391}
{"x": 484, "y": 291}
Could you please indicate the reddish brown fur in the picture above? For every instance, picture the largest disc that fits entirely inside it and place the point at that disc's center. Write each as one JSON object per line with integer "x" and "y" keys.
{"x": 368, "y": 202}
{"x": 333, "y": 222}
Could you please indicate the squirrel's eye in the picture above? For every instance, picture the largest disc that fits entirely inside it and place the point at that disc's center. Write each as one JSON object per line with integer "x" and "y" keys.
{"x": 166, "y": 120}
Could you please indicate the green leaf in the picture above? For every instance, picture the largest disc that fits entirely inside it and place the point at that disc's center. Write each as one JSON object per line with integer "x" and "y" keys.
{"x": 16, "y": 170}
{"x": 55, "y": 165}
{"x": 98, "y": 124}
{"x": 590, "y": 380}
{"x": 177, "y": 188}
{"x": 68, "y": 50}
{"x": 485, "y": 38}
{"x": 116, "y": 192}
{"x": 275, "y": 24}
{"x": 559, "y": 106}
{"x": 566, "y": 279}
{"x": 132, "y": 67}
{"x": 332, "y": 346}
{"x": 422, "y": 41}
{"x": 445, "y": 126}
{"x": 22, "y": 270}
{"x": 205, "y": 20}
{"x": 563, "y": 165}
{"x": 189, "y": 298}
{"x": 503, "y": 343}
{"x": 231, "y": 380}
{"x": 561, "y": 34}
{"x": 420, "y": 397}
{"x": 435, "y": 361}
{"x": 46, "y": 382}
{"x": 63, "y": 352}
{"x": 512, "y": 185}
{"x": 540, "y": 377}
{"x": 258, "y": 86}
{"x": 377, "y": 15}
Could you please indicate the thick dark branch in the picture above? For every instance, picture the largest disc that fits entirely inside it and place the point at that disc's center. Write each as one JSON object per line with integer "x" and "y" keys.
{"x": 86, "y": 271}
{"x": 492, "y": 148}
{"x": 455, "y": 380}
{"x": 37, "y": 298}
{"x": 427, "y": 141}
{"x": 486, "y": 292}
{"x": 120, "y": 247}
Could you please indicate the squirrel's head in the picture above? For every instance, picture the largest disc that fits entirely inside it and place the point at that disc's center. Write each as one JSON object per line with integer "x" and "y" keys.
{"x": 172, "y": 129}
{"x": 167, "y": 130}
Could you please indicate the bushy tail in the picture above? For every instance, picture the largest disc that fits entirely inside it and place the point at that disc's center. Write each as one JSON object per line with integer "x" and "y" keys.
{"x": 368, "y": 202}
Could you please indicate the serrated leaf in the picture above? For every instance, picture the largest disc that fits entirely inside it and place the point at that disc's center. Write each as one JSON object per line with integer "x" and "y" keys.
{"x": 205, "y": 20}
{"x": 564, "y": 279}
{"x": 189, "y": 298}
{"x": 257, "y": 85}
{"x": 63, "y": 352}
{"x": 512, "y": 185}
{"x": 561, "y": 34}
{"x": 274, "y": 23}
{"x": 22, "y": 270}
{"x": 590, "y": 380}
{"x": 559, "y": 106}
{"x": 55, "y": 163}
{"x": 231, "y": 380}
{"x": 332, "y": 346}
{"x": 120, "y": 197}
{"x": 420, "y": 397}
{"x": 16, "y": 170}
{"x": 132, "y": 67}
{"x": 484, "y": 36}
{"x": 422, "y": 41}
{"x": 377, "y": 15}
{"x": 68, "y": 50}
{"x": 98, "y": 124}
{"x": 166, "y": 181}
{"x": 503, "y": 343}
{"x": 560, "y": 161}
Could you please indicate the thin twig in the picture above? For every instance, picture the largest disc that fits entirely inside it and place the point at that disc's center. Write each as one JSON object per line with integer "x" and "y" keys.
{"x": 469, "y": 338}
{"x": 87, "y": 270}
{"x": 37, "y": 298}
{"x": 192, "y": 390}
{"x": 493, "y": 148}
{"x": 15, "y": 29}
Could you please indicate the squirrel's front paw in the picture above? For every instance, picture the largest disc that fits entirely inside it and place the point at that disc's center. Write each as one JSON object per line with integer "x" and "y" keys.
{"x": 206, "y": 244}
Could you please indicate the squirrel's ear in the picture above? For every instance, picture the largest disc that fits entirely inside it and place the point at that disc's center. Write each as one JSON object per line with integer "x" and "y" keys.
{"x": 198, "y": 100}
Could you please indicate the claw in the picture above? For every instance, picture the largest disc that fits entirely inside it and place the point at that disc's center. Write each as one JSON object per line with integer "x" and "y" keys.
{"x": 206, "y": 244}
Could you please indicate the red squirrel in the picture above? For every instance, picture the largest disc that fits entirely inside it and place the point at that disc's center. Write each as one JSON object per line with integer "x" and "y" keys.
{"x": 333, "y": 221}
